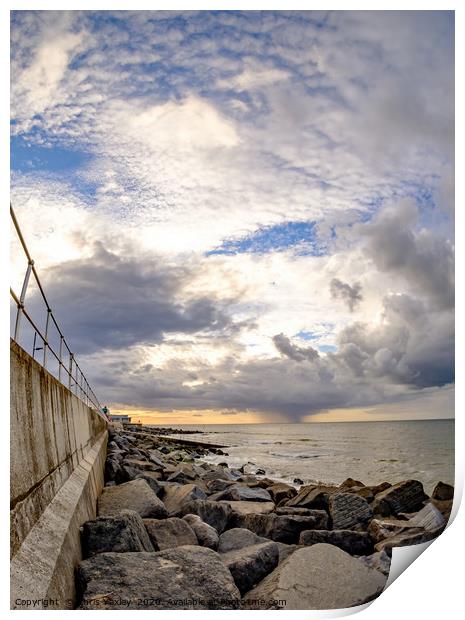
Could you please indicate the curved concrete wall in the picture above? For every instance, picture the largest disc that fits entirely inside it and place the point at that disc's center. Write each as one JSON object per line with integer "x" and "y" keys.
{"x": 58, "y": 447}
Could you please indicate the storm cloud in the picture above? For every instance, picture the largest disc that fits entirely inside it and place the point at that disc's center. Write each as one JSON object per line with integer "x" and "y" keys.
{"x": 352, "y": 295}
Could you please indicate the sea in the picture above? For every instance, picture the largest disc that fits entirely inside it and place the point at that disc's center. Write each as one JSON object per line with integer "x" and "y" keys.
{"x": 372, "y": 452}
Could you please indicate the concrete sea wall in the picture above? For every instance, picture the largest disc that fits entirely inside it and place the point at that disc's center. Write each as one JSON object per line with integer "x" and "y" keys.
{"x": 58, "y": 447}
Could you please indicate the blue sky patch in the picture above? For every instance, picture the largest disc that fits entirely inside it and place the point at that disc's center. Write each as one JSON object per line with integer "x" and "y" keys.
{"x": 27, "y": 157}
{"x": 299, "y": 235}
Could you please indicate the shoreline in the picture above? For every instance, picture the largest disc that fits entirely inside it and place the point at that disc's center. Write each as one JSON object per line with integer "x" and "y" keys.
{"x": 233, "y": 536}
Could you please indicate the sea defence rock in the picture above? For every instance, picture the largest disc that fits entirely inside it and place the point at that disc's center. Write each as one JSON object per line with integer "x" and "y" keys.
{"x": 189, "y": 577}
{"x": 443, "y": 492}
{"x": 218, "y": 484}
{"x": 216, "y": 514}
{"x": 348, "y": 511}
{"x": 355, "y": 543}
{"x": 249, "y": 565}
{"x": 206, "y": 535}
{"x": 152, "y": 479}
{"x": 134, "y": 495}
{"x": 121, "y": 533}
{"x": 412, "y": 536}
{"x": 282, "y": 528}
{"x": 428, "y": 518}
{"x": 379, "y": 560}
{"x": 245, "y": 508}
{"x": 174, "y": 497}
{"x": 241, "y": 493}
{"x": 406, "y": 496}
{"x": 169, "y": 533}
{"x": 281, "y": 492}
{"x": 317, "y": 577}
{"x": 238, "y": 538}
{"x": 313, "y": 496}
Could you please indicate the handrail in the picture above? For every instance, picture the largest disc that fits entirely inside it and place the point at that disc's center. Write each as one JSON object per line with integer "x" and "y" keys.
{"x": 78, "y": 380}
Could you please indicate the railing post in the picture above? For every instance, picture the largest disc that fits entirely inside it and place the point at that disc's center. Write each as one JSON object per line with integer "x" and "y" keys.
{"x": 22, "y": 297}
{"x": 46, "y": 337}
{"x": 71, "y": 357}
{"x": 60, "y": 360}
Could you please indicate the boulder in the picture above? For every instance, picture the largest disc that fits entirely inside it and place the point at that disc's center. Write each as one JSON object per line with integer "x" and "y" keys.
{"x": 218, "y": 485}
{"x": 248, "y": 507}
{"x": 350, "y": 482}
{"x": 281, "y": 528}
{"x": 406, "y": 496}
{"x": 237, "y": 538}
{"x": 134, "y": 495}
{"x": 189, "y": 577}
{"x": 317, "y": 577}
{"x": 216, "y": 514}
{"x": 364, "y": 492}
{"x": 120, "y": 533}
{"x": 138, "y": 464}
{"x": 207, "y": 536}
{"x": 379, "y": 529}
{"x": 112, "y": 467}
{"x": 377, "y": 488}
{"x": 443, "y": 492}
{"x": 175, "y": 496}
{"x": 429, "y": 518}
{"x": 151, "y": 478}
{"x": 169, "y": 533}
{"x": 379, "y": 560}
{"x": 411, "y": 536}
{"x": 355, "y": 543}
{"x": 241, "y": 493}
{"x": 249, "y": 565}
{"x": 183, "y": 475}
{"x": 218, "y": 474}
{"x": 291, "y": 510}
{"x": 157, "y": 458}
{"x": 281, "y": 492}
{"x": 444, "y": 506}
{"x": 313, "y": 496}
{"x": 348, "y": 511}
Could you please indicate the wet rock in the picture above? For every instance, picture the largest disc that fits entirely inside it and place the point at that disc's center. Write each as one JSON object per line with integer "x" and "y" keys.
{"x": 350, "y": 482}
{"x": 280, "y": 492}
{"x": 175, "y": 496}
{"x": 112, "y": 467}
{"x": 379, "y": 529}
{"x": 121, "y": 533}
{"x": 169, "y": 533}
{"x": 216, "y": 514}
{"x": 241, "y": 493}
{"x": 443, "y": 492}
{"x": 249, "y": 565}
{"x": 379, "y": 560}
{"x": 156, "y": 457}
{"x": 348, "y": 511}
{"x": 406, "y": 496}
{"x": 377, "y": 488}
{"x": 444, "y": 507}
{"x": 298, "y": 481}
{"x": 291, "y": 510}
{"x": 207, "y": 536}
{"x": 355, "y": 543}
{"x": 183, "y": 475}
{"x": 191, "y": 574}
{"x": 317, "y": 577}
{"x": 218, "y": 474}
{"x": 313, "y": 496}
{"x": 134, "y": 495}
{"x": 138, "y": 464}
{"x": 281, "y": 528}
{"x": 260, "y": 472}
{"x": 364, "y": 492}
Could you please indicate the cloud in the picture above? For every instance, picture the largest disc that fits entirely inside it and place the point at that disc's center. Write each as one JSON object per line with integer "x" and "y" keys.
{"x": 352, "y": 295}
{"x": 299, "y": 354}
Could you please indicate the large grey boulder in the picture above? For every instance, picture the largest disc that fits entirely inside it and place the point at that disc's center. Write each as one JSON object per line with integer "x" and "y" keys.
{"x": 411, "y": 536}
{"x": 249, "y": 565}
{"x": 248, "y": 507}
{"x": 355, "y": 543}
{"x": 157, "y": 458}
{"x": 379, "y": 560}
{"x": 175, "y": 496}
{"x": 406, "y": 496}
{"x": 317, "y": 577}
{"x": 216, "y": 514}
{"x": 207, "y": 536}
{"x": 348, "y": 511}
{"x": 134, "y": 495}
{"x": 218, "y": 484}
{"x": 169, "y": 533}
{"x": 282, "y": 528}
{"x": 189, "y": 577}
{"x": 152, "y": 478}
{"x": 238, "y": 538}
{"x": 121, "y": 533}
{"x": 241, "y": 493}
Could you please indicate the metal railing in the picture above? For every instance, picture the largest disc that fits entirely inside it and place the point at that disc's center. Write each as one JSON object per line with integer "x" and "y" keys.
{"x": 68, "y": 368}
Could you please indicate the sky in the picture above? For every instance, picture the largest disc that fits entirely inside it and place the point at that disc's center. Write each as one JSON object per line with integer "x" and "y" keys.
{"x": 242, "y": 216}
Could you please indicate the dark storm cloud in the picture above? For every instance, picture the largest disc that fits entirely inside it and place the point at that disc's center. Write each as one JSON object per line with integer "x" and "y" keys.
{"x": 110, "y": 302}
{"x": 352, "y": 295}
{"x": 299, "y": 354}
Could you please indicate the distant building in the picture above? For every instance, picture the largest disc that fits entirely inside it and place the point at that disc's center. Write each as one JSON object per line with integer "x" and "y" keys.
{"x": 124, "y": 419}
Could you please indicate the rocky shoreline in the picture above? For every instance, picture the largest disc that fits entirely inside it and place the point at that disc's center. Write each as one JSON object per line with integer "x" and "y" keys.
{"x": 175, "y": 532}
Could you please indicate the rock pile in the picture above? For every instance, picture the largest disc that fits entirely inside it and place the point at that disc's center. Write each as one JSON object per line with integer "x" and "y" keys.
{"x": 174, "y": 532}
